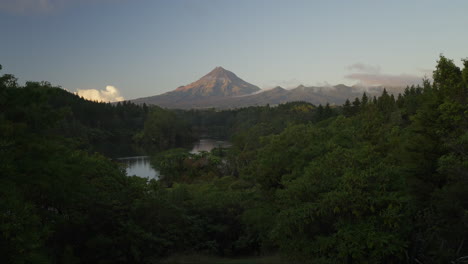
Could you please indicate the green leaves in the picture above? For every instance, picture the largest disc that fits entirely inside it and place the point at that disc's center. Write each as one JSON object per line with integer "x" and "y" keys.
{"x": 163, "y": 130}
{"x": 385, "y": 182}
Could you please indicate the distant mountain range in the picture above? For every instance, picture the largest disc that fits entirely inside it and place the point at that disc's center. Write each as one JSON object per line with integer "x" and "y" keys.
{"x": 223, "y": 89}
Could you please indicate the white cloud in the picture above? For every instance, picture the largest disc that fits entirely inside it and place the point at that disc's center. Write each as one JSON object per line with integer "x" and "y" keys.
{"x": 370, "y": 75}
{"x": 110, "y": 94}
{"x": 369, "y": 79}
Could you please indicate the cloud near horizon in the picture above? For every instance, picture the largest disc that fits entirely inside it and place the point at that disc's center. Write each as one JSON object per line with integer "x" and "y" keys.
{"x": 369, "y": 79}
{"x": 110, "y": 94}
{"x": 369, "y": 75}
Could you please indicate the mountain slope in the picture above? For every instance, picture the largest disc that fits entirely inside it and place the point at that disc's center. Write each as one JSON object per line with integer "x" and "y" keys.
{"x": 219, "y": 82}
{"x": 223, "y": 89}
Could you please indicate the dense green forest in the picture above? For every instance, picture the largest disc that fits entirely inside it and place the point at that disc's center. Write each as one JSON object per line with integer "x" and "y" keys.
{"x": 377, "y": 180}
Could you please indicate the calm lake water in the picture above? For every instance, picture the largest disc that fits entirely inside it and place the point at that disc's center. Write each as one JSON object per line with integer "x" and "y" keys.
{"x": 141, "y": 166}
{"x": 207, "y": 144}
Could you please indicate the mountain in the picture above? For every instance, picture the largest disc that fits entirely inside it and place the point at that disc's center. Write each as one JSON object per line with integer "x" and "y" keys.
{"x": 214, "y": 86}
{"x": 278, "y": 95}
{"x": 219, "y": 82}
{"x": 222, "y": 89}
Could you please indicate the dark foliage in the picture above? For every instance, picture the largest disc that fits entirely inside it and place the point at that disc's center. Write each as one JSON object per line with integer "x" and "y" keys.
{"x": 377, "y": 180}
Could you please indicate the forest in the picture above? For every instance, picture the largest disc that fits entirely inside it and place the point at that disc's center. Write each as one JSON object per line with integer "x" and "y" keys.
{"x": 375, "y": 180}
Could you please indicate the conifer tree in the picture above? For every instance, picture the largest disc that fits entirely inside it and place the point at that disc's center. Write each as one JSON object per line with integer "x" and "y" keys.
{"x": 347, "y": 109}
{"x": 356, "y": 106}
{"x": 328, "y": 112}
{"x": 364, "y": 99}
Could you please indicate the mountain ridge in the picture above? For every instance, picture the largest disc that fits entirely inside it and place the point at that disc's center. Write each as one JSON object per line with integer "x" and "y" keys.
{"x": 219, "y": 82}
{"x": 223, "y": 89}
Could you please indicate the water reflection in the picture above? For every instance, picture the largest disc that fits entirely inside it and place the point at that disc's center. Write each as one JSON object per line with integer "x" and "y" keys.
{"x": 139, "y": 166}
{"x": 208, "y": 144}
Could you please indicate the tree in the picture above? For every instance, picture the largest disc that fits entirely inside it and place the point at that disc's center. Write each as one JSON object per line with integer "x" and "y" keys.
{"x": 327, "y": 111}
{"x": 448, "y": 78}
{"x": 347, "y": 109}
{"x": 356, "y": 105}
{"x": 163, "y": 130}
{"x": 364, "y": 99}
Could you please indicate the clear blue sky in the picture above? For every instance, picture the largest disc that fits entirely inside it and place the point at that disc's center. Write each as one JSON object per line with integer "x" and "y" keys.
{"x": 147, "y": 47}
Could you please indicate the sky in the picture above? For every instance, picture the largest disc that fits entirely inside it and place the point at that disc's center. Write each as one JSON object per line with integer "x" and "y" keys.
{"x": 126, "y": 49}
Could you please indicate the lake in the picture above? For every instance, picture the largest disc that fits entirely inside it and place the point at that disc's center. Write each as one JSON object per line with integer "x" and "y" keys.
{"x": 141, "y": 166}
{"x": 207, "y": 144}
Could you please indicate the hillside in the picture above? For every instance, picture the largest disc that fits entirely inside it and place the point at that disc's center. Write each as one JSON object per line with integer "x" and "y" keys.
{"x": 223, "y": 89}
